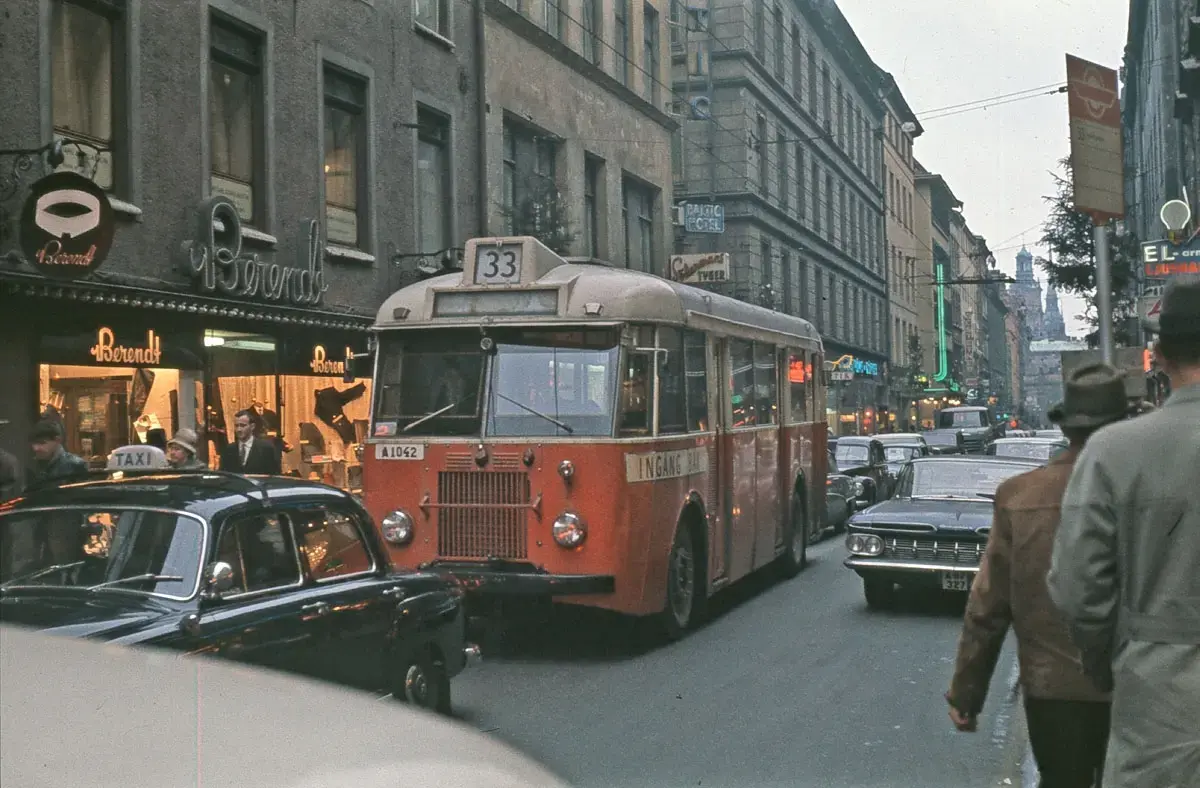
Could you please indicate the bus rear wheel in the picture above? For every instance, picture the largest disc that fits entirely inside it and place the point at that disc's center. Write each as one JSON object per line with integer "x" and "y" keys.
{"x": 795, "y": 540}
{"x": 685, "y": 587}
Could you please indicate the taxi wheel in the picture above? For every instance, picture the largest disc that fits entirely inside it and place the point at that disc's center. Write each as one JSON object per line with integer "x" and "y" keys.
{"x": 685, "y": 589}
{"x": 795, "y": 539}
{"x": 424, "y": 683}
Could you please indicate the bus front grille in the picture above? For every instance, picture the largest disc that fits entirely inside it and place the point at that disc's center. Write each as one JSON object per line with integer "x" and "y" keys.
{"x": 481, "y": 514}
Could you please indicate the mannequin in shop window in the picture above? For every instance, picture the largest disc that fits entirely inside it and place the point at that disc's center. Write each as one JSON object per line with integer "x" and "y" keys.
{"x": 270, "y": 426}
{"x": 250, "y": 452}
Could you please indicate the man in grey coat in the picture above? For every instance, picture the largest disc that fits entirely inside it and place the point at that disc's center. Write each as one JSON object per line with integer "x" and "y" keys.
{"x": 1126, "y": 567}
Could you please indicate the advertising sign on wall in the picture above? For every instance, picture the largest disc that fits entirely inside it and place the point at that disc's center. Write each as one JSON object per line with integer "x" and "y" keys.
{"x": 66, "y": 225}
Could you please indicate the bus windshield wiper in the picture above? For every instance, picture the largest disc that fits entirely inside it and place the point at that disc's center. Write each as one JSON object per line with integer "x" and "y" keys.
{"x": 138, "y": 579}
{"x": 42, "y": 572}
{"x": 429, "y": 416}
{"x": 569, "y": 429}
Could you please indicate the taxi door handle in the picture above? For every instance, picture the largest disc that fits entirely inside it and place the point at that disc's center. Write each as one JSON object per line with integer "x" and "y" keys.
{"x": 316, "y": 609}
{"x": 396, "y": 592}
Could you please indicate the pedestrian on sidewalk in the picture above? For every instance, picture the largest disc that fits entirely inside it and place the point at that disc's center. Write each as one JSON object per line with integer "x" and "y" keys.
{"x": 181, "y": 451}
{"x": 1067, "y": 715}
{"x": 1126, "y": 567}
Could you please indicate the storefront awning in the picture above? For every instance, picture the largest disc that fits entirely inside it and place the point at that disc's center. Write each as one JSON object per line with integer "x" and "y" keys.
{"x": 22, "y": 285}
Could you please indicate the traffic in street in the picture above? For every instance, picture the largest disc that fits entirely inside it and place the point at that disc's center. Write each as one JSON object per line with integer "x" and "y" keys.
{"x": 790, "y": 683}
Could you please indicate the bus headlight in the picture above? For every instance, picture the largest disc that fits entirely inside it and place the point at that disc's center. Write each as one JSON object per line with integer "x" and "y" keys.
{"x": 869, "y": 545}
{"x": 398, "y": 528}
{"x": 569, "y": 530}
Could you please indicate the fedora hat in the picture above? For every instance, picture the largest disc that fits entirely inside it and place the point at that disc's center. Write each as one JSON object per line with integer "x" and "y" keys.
{"x": 1180, "y": 313}
{"x": 185, "y": 438}
{"x": 1095, "y": 396}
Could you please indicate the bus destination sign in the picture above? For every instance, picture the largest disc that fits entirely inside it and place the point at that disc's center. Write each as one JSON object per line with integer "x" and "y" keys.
{"x": 656, "y": 465}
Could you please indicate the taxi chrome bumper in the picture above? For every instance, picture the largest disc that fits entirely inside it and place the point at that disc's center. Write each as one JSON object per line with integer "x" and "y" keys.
{"x": 862, "y": 564}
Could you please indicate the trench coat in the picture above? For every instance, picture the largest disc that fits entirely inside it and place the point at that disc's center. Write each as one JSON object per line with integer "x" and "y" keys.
{"x": 1010, "y": 590}
{"x": 1126, "y": 576}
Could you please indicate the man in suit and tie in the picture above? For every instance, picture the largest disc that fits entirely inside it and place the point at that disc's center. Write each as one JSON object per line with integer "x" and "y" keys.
{"x": 249, "y": 453}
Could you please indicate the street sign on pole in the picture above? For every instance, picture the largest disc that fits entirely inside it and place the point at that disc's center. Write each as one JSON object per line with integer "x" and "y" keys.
{"x": 703, "y": 217}
{"x": 1097, "y": 159}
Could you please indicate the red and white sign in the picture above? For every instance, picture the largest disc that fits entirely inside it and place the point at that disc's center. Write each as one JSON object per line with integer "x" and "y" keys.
{"x": 1094, "y": 106}
{"x": 1151, "y": 308}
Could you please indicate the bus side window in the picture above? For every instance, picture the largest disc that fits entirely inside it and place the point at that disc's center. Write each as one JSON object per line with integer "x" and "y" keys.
{"x": 695, "y": 354}
{"x": 741, "y": 357}
{"x": 766, "y": 384}
{"x": 799, "y": 381}
{"x": 635, "y": 394}
{"x": 672, "y": 395}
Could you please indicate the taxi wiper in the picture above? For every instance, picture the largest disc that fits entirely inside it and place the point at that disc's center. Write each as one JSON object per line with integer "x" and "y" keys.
{"x": 429, "y": 416}
{"x": 42, "y": 572}
{"x": 553, "y": 421}
{"x": 137, "y": 579}
{"x": 974, "y": 497}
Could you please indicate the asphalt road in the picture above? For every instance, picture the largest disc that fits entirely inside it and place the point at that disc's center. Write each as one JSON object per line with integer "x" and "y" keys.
{"x": 791, "y": 683}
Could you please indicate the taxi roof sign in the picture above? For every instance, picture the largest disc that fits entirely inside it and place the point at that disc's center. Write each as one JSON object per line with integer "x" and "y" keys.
{"x": 136, "y": 458}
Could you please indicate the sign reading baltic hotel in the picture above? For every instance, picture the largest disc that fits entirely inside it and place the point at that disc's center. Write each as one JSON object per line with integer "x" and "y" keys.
{"x": 215, "y": 259}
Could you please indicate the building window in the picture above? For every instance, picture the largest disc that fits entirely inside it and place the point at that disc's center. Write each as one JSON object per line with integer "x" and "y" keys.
{"x": 801, "y": 182}
{"x": 812, "y": 80}
{"x": 760, "y": 30}
{"x": 590, "y": 24}
{"x": 433, "y": 182}
{"x": 839, "y": 107}
{"x": 827, "y": 98}
{"x": 85, "y": 53}
{"x": 780, "y": 32}
{"x": 621, "y": 36}
{"x": 818, "y": 213}
{"x": 593, "y": 179}
{"x": 554, "y": 17}
{"x": 791, "y": 297}
{"x": 529, "y": 163}
{"x": 345, "y": 159}
{"x": 235, "y": 102}
{"x": 782, "y": 170}
{"x": 843, "y": 236}
{"x": 638, "y": 213}
{"x": 766, "y": 275}
{"x": 650, "y": 32}
{"x": 830, "y": 227}
{"x": 762, "y": 154}
{"x": 433, "y": 15}
{"x": 797, "y": 65}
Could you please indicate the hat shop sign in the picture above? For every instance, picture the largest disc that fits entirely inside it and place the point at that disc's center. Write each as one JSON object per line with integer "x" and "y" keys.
{"x": 215, "y": 260}
{"x": 66, "y": 225}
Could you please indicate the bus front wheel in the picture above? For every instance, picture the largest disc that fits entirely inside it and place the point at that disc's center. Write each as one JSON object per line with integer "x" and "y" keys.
{"x": 685, "y": 586}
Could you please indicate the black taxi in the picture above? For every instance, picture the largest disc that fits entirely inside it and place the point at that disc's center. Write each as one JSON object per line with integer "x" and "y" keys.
{"x": 272, "y": 571}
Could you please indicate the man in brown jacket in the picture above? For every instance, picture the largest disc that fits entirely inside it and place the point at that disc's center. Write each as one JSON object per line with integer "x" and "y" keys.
{"x": 1068, "y": 717}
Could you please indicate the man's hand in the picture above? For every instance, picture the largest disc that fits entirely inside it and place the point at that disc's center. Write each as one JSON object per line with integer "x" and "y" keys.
{"x": 965, "y": 723}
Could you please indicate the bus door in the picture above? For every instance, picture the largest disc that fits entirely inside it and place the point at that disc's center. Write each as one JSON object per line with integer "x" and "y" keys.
{"x": 720, "y": 507}
{"x": 768, "y": 515}
{"x": 741, "y": 472}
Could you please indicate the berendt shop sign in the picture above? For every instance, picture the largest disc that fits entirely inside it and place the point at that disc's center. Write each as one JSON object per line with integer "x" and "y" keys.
{"x": 66, "y": 225}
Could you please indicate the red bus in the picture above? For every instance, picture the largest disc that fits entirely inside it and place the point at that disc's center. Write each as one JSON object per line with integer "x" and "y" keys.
{"x": 550, "y": 428}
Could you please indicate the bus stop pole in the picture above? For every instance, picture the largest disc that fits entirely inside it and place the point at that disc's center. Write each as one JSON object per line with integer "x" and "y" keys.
{"x": 1103, "y": 289}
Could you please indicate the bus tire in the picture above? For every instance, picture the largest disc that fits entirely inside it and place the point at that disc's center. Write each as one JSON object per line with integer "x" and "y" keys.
{"x": 684, "y": 605}
{"x": 795, "y": 540}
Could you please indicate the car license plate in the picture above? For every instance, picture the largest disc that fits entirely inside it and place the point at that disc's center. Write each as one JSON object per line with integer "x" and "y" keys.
{"x": 956, "y": 581}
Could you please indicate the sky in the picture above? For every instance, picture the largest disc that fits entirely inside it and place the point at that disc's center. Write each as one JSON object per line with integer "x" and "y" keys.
{"x": 997, "y": 161}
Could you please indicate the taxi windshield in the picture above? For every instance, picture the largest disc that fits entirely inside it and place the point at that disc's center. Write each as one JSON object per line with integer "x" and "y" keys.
{"x": 901, "y": 453}
{"x": 853, "y": 455}
{"x": 135, "y": 550}
{"x": 1030, "y": 449}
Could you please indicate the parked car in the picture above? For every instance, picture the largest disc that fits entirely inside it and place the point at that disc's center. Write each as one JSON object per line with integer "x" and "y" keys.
{"x": 272, "y": 571}
{"x": 843, "y": 495}
{"x": 933, "y": 531}
{"x": 179, "y": 721}
{"x": 1043, "y": 449}
{"x": 863, "y": 457}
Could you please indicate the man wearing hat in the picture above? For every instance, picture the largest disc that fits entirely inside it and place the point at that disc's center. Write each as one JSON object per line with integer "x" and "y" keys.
{"x": 1127, "y": 561}
{"x": 1067, "y": 714}
{"x": 181, "y": 451}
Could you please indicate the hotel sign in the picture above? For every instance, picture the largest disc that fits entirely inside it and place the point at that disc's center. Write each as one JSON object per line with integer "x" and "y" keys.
{"x": 216, "y": 260}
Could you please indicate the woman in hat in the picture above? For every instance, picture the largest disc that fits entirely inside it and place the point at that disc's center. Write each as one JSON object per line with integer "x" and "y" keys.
{"x": 181, "y": 451}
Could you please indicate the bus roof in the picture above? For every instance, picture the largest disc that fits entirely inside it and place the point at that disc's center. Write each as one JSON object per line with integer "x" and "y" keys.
{"x": 548, "y": 289}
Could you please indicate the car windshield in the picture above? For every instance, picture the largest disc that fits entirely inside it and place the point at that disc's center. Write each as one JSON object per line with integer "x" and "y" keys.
{"x": 135, "y": 550}
{"x": 1031, "y": 449}
{"x": 958, "y": 478}
{"x": 901, "y": 453}
{"x": 961, "y": 418}
{"x": 853, "y": 455}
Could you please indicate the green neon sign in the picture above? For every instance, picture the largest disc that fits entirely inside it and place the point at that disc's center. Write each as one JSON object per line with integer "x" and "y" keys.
{"x": 943, "y": 358}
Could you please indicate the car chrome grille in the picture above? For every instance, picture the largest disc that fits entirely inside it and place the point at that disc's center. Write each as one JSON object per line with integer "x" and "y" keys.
{"x": 481, "y": 514}
{"x": 939, "y": 550}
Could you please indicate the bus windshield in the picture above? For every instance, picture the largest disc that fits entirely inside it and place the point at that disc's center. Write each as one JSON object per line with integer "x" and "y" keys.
{"x": 535, "y": 382}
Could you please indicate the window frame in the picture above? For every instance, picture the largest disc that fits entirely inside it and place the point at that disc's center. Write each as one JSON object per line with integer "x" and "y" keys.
{"x": 309, "y": 575}
{"x": 231, "y": 521}
{"x": 430, "y": 123}
{"x": 593, "y": 187}
{"x": 261, "y": 213}
{"x": 651, "y": 53}
{"x": 361, "y": 152}
{"x": 621, "y": 35}
{"x": 444, "y": 20}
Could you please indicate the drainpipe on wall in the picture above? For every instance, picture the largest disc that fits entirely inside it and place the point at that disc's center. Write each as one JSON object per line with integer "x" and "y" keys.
{"x": 481, "y": 114}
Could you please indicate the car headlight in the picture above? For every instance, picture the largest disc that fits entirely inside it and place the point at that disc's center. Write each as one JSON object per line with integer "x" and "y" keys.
{"x": 569, "y": 530}
{"x": 869, "y": 545}
{"x": 860, "y": 487}
{"x": 398, "y": 528}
